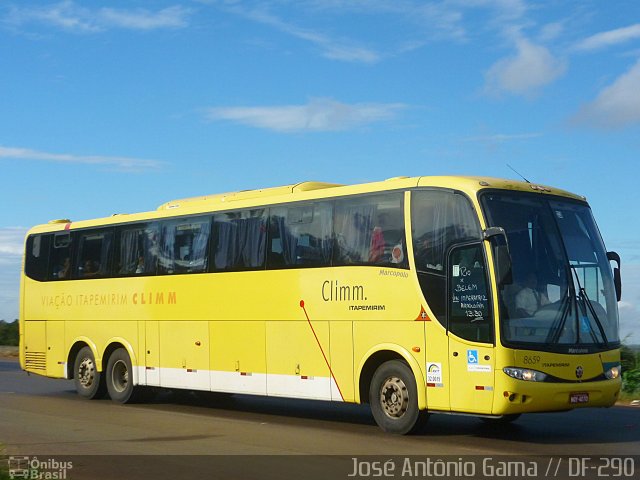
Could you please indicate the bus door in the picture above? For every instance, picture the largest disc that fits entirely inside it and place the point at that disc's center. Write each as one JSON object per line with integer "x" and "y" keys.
{"x": 470, "y": 331}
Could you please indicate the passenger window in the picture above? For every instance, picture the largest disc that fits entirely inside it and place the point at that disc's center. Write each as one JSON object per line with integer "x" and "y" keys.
{"x": 300, "y": 235}
{"x": 138, "y": 250}
{"x": 239, "y": 239}
{"x": 37, "y": 257}
{"x": 369, "y": 230}
{"x": 439, "y": 219}
{"x": 469, "y": 312}
{"x": 94, "y": 254}
{"x": 184, "y": 246}
{"x": 60, "y": 264}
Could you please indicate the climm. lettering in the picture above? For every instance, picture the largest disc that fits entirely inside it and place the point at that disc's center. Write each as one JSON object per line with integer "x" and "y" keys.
{"x": 155, "y": 298}
{"x": 332, "y": 291}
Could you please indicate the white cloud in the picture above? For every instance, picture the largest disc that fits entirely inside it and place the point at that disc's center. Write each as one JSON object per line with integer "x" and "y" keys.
{"x": 415, "y": 23}
{"x": 74, "y": 18}
{"x": 318, "y": 115}
{"x": 551, "y": 31}
{"x": 531, "y": 68}
{"x": 126, "y": 164}
{"x": 11, "y": 243}
{"x": 617, "y": 105}
{"x": 11, "y": 249}
{"x": 332, "y": 48}
{"x": 141, "y": 19}
{"x": 611, "y": 37}
{"x": 502, "y": 137}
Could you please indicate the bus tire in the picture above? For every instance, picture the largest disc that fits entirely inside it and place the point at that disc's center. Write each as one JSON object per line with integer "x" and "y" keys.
{"x": 89, "y": 382}
{"x": 394, "y": 399}
{"x": 119, "y": 378}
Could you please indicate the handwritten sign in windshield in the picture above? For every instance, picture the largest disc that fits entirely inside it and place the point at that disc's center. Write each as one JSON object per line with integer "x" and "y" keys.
{"x": 469, "y": 292}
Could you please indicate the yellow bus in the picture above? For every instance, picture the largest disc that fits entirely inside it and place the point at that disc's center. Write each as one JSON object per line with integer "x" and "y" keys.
{"x": 416, "y": 295}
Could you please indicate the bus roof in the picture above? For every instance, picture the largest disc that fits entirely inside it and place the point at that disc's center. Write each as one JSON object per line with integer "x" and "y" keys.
{"x": 306, "y": 191}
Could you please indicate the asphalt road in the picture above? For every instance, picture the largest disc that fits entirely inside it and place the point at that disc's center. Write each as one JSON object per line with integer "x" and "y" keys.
{"x": 184, "y": 435}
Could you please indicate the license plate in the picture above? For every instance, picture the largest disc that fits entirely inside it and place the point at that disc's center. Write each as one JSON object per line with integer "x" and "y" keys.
{"x": 581, "y": 397}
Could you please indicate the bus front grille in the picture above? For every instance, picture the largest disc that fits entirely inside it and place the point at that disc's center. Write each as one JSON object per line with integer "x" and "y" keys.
{"x": 36, "y": 361}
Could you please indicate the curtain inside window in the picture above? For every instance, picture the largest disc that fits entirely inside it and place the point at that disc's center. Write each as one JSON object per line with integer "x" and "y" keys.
{"x": 240, "y": 239}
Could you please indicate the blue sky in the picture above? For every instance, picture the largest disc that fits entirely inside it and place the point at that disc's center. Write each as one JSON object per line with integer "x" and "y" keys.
{"x": 120, "y": 106}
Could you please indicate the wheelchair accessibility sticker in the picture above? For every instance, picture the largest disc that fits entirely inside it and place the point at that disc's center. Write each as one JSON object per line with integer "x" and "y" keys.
{"x": 473, "y": 362}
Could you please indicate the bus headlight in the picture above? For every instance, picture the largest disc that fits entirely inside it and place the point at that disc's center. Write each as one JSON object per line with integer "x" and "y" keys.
{"x": 525, "y": 374}
{"x": 613, "y": 372}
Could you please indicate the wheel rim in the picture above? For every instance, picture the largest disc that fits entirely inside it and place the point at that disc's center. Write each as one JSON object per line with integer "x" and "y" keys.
{"x": 120, "y": 376}
{"x": 86, "y": 372}
{"x": 394, "y": 397}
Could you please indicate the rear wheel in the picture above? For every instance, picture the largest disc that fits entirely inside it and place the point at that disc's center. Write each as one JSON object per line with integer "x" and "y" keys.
{"x": 394, "y": 399}
{"x": 119, "y": 379}
{"x": 88, "y": 380}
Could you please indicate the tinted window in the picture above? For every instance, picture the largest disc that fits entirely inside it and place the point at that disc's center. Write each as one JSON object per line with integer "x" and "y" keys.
{"x": 300, "y": 235}
{"x": 137, "y": 253}
{"x": 37, "y": 256}
{"x": 94, "y": 253}
{"x": 239, "y": 239}
{"x": 469, "y": 313}
{"x": 369, "y": 230}
{"x": 60, "y": 262}
{"x": 439, "y": 219}
{"x": 184, "y": 245}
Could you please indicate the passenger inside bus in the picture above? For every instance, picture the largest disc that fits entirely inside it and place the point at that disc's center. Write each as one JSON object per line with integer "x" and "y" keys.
{"x": 90, "y": 268}
{"x": 63, "y": 270}
{"x": 530, "y": 299}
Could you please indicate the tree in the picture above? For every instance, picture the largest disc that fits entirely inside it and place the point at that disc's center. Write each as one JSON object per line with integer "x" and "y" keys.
{"x": 628, "y": 358}
{"x": 9, "y": 333}
{"x": 631, "y": 381}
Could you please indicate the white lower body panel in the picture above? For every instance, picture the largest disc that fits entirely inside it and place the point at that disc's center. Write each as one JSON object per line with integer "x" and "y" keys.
{"x": 292, "y": 386}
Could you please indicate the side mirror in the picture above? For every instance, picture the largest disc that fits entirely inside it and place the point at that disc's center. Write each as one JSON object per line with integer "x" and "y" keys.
{"x": 502, "y": 257}
{"x": 617, "y": 279}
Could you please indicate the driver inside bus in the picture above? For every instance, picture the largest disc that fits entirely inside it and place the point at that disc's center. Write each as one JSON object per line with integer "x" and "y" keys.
{"x": 529, "y": 300}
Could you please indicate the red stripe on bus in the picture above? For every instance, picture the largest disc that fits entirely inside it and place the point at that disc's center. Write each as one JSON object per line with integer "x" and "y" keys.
{"x": 321, "y": 349}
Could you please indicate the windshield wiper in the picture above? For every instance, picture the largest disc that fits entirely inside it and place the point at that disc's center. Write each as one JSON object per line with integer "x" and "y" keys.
{"x": 558, "y": 325}
{"x": 587, "y": 306}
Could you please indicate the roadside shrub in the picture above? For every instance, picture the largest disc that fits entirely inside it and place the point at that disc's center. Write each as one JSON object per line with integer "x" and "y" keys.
{"x": 631, "y": 381}
{"x": 9, "y": 333}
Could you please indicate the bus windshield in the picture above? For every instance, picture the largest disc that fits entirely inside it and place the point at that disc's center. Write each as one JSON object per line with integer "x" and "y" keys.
{"x": 561, "y": 296}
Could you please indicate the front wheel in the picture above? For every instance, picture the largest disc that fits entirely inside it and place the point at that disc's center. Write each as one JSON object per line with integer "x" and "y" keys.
{"x": 394, "y": 399}
{"x": 88, "y": 381}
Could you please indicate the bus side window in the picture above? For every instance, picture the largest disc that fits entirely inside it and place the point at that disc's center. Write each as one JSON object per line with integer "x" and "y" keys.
{"x": 300, "y": 235}
{"x": 60, "y": 262}
{"x": 94, "y": 254}
{"x": 37, "y": 257}
{"x": 439, "y": 219}
{"x": 239, "y": 240}
{"x": 184, "y": 245}
{"x": 369, "y": 230}
{"x": 137, "y": 251}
